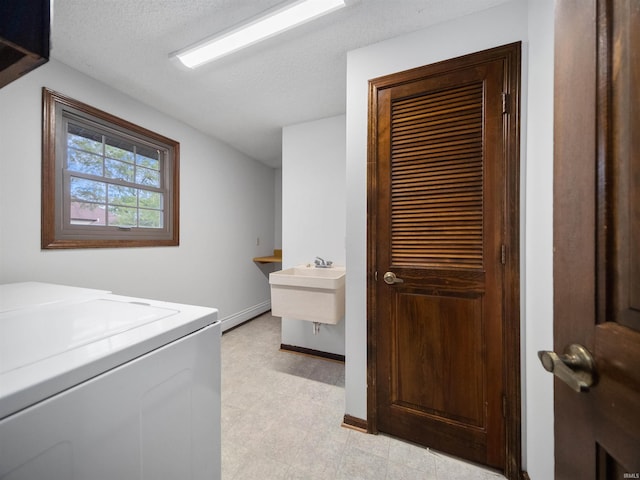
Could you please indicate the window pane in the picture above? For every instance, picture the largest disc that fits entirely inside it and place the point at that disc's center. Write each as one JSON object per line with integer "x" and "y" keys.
{"x": 148, "y": 157}
{"x": 118, "y": 169}
{"x": 145, "y": 176}
{"x": 150, "y": 199}
{"x": 119, "y": 149}
{"x": 122, "y": 196}
{"x": 150, "y": 218}
{"x": 84, "y": 162}
{"x": 88, "y": 190}
{"x": 84, "y": 139}
{"x": 122, "y": 216}
{"x": 87, "y": 214}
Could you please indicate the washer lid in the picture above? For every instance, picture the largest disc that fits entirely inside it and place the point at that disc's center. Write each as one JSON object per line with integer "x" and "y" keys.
{"x": 54, "y": 345}
{"x": 16, "y": 296}
{"x": 28, "y": 336}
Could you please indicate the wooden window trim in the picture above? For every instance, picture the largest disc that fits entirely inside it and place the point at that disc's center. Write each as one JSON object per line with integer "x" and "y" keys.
{"x": 52, "y": 212}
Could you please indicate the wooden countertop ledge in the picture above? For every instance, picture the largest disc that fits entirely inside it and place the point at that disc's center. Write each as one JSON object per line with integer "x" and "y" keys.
{"x": 275, "y": 258}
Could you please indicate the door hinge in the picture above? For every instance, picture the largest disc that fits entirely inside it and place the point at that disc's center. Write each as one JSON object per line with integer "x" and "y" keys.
{"x": 506, "y": 100}
{"x": 504, "y": 406}
{"x": 375, "y": 275}
{"x": 503, "y": 254}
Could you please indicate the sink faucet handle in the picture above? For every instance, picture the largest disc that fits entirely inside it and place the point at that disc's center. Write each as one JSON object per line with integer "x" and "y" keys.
{"x": 322, "y": 263}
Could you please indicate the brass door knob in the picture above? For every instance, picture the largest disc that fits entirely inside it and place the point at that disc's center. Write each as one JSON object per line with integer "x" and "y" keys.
{"x": 575, "y": 367}
{"x": 390, "y": 278}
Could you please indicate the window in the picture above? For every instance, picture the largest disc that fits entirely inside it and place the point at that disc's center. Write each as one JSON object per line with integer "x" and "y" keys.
{"x": 105, "y": 181}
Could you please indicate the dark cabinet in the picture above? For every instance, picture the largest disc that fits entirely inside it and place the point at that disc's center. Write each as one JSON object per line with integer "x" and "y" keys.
{"x": 24, "y": 37}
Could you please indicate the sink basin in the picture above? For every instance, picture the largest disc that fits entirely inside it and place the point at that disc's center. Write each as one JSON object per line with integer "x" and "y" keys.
{"x": 308, "y": 293}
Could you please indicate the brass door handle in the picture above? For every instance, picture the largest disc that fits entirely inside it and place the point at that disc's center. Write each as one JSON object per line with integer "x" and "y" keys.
{"x": 575, "y": 367}
{"x": 390, "y": 278}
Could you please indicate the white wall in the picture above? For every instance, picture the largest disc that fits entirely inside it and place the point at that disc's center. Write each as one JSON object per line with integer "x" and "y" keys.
{"x": 313, "y": 215}
{"x": 537, "y": 284}
{"x": 226, "y": 203}
{"x": 504, "y": 24}
{"x": 278, "y": 209}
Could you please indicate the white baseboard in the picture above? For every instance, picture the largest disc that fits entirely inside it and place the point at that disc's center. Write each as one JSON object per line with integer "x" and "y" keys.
{"x": 244, "y": 315}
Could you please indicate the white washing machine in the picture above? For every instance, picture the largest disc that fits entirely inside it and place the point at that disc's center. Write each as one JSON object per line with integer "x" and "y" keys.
{"x": 95, "y": 386}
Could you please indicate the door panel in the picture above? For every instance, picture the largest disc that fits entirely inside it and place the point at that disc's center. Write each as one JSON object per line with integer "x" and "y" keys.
{"x": 624, "y": 165}
{"x": 448, "y": 386}
{"x": 597, "y": 234}
{"x": 441, "y": 219}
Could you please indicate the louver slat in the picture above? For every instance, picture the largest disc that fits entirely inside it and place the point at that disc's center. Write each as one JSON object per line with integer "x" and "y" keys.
{"x": 437, "y": 179}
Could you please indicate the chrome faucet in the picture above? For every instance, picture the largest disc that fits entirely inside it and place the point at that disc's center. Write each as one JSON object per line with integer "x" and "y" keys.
{"x": 321, "y": 263}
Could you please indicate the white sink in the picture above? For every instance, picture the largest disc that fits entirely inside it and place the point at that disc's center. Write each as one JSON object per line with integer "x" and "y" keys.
{"x": 308, "y": 293}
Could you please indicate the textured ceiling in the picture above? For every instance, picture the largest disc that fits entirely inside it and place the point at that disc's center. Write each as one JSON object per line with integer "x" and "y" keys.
{"x": 244, "y": 99}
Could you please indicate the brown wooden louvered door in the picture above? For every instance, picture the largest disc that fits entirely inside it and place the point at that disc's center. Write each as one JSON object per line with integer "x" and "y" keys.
{"x": 443, "y": 225}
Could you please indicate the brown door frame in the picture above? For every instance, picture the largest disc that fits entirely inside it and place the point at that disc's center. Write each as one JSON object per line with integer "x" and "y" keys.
{"x": 511, "y": 336}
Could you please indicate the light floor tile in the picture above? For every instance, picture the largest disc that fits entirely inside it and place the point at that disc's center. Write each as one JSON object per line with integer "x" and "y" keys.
{"x": 399, "y": 471}
{"x": 371, "y": 444}
{"x": 412, "y": 456}
{"x": 360, "y": 465}
{"x": 282, "y": 415}
{"x": 257, "y": 467}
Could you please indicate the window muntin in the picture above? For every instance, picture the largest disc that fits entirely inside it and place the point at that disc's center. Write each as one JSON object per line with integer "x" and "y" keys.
{"x": 112, "y": 181}
{"x": 106, "y": 182}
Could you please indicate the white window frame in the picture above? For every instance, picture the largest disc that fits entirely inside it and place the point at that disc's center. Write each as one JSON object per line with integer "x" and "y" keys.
{"x": 58, "y": 228}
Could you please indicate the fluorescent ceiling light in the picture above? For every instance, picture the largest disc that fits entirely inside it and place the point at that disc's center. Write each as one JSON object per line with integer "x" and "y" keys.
{"x": 264, "y": 27}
